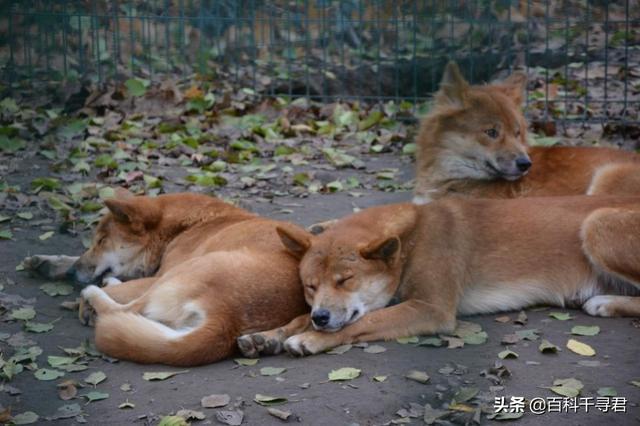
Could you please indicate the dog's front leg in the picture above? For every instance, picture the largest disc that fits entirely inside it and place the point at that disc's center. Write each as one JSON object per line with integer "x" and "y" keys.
{"x": 271, "y": 342}
{"x": 412, "y": 317}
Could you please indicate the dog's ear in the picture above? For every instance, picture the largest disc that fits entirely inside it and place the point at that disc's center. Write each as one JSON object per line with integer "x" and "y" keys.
{"x": 514, "y": 86}
{"x": 295, "y": 240}
{"x": 138, "y": 212}
{"x": 381, "y": 249}
{"x": 453, "y": 87}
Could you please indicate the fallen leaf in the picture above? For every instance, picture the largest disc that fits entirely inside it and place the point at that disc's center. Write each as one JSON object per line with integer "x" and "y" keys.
{"x": 67, "y": 390}
{"x": 431, "y": 341}
{"x": 57, "y": 289}
{"x": 531, "y": 334}
{"x": 25, "y": 215}
{"x": 635, "y": 383}
{"x": 379, "y": 379}
{"x": 418, "y": 376}
{"x": 66, "y": 412}
{"x": 567, "y": 387}
{"x": 95, "y": 378}
{"x": 607, "y": 391}
{"x": 173, "y": 421}
{"x": 431, "y": 415}
{"x": 24, "y": 314}
{"x": 375, "y": 349}
{"x": 547, "y": 347}
{"x": 464, "y": 394}
{"x": 215, "y": 400}
{"x": 561, "y": 316}
{"x": 507, "y": 354}
{"x": 269, "y": 400}
{"x": 46, "y": 236}
{"x": 247, "y": 362}
{"x": 345, "y": 373}
{"x": 407, "y": 340}
{"x": 191, "y": 414}
{"x": 126, "y": 404}
{"x": 580, "y": 348}
{"x": 231, "y": 418}
{"x": 585, "y": 330}
{"x": 161, "y": 375}
{"x": 453, "y": 342}
{"x": 281, "y": 414}
{"x": 272, "y": 371}
{"x": 503, "y": 319}
{"x": 38, "y": 327}
{"x": 95, "y": 396}
{"x": 46, "y": 374}
{"x": 26, "y": 418}
{"x": 521, "y": 319}
{"x": 125, "y": 387}
{"x": 339, "y": 350}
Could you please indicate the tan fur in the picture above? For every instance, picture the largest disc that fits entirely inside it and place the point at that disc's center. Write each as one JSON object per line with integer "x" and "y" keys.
{"x": 217, "y": 272}
{"x": 456, "y": 155}
{"x": 464, "y": 256}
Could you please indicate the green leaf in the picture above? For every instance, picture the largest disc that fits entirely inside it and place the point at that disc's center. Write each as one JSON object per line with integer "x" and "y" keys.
{"x": 548, "y": 347}
{"x": 24, "y": 314}
{"x": 418, "y": 376}
{"x": 173, "y": 421}
{"x": 95, "y": 378}
{"x": 247, "y": 362}
{"x": 531, "y": 334}
{"x": 464, "y": 394}
{"x": 46, "y": 374}
{"x": 26, "y": 418}
{"x": 561, "y": 316}
{"x": 375, "y": 349}
{"x": 408, "y": 340}
{"x": 137, "y": 86}
{"x": 409, "y": 149}
{"x": 161, "y": 375}
{"x": 57, "y": 289}
{"x": 345, "y": 373}
{"x": 38, "y": 327}
{"x": 585, "y": 330}
{"x": 25, "y": 215}
{"x": 11, "y": 145}
{"x": 567, "y": 387}
{"x": 543, "y": 141}
{"x": 339, "y": 350}
{"x": 95, "y": 396}
{"x": 507, "y": 354}
{"x": 46, "y": 183}
{"x": 57, "y": 361}
{"x": 431, "y": 341}
{"x": 272, "y": 371}
{"x": 607, "y": 391}
{"x": 372, "y": 119}
{"x": 267, "y": 400}
{"x": 379, "y": 379}
{"x": 46, "y": 236}
{"x": 5, "y": 234}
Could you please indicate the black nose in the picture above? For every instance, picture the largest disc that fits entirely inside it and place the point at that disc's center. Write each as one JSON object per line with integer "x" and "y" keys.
{"x": 523, "y": 163}
{"x": 321, "y": 317}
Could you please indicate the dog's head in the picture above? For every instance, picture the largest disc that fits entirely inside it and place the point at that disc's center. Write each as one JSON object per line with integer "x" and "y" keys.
{"x": 480, "y": 131}
{"x": 124, "y": 242}
{"x": 354, "y": 266}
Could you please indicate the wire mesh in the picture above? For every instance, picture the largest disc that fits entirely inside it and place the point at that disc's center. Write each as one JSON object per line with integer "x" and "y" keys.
{"x": 577, "y": 51}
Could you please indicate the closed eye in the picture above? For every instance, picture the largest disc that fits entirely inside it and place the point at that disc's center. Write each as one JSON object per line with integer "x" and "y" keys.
{"x": 342, "y": 281}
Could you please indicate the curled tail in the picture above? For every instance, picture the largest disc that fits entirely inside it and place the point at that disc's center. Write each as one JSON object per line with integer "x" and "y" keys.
{"x": 130, "y": 336}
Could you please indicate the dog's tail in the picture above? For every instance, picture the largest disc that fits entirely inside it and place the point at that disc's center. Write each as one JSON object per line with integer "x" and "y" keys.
{"x": 130, "y": 336}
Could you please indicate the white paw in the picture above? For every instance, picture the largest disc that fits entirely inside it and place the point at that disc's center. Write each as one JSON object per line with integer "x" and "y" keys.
{"x": 111, "y": 281}
{"x": 598, "y": 306}
{"x": 295, "y": 346}
{"x": 91, "y": 292}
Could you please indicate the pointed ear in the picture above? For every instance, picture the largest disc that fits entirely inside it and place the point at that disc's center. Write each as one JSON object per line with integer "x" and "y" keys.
{"x": 295, "y": 240}
{"x": 381, "y": 249}
{"x": 453, "y": 86}
{"x": 515, "y": 85}
{"x": 138, "y": 212}
{"x": 123, "y": 193}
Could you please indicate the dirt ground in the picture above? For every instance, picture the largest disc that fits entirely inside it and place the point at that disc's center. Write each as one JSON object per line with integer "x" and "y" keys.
{"x": 311, "y": 398}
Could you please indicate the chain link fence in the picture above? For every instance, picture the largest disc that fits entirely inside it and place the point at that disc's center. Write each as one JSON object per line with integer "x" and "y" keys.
{"x": 582, "y": 56}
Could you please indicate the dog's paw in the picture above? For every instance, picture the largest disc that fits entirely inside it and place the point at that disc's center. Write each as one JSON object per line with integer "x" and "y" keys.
{"x": 86, "y": 313}
{"x": 110, "y": 281}
{"x": 308, "y": 343}
{"x": 256, "y": 344}
{"x": 599, "y": 306}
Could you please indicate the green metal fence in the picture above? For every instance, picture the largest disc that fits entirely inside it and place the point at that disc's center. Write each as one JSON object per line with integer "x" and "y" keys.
{"x": 578, "y": 53}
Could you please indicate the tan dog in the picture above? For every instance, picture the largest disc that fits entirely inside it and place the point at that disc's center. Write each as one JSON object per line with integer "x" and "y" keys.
{"x": 459, "y": 256}
{"x": 474, "y": 142}
{"x": 214, "y": 272}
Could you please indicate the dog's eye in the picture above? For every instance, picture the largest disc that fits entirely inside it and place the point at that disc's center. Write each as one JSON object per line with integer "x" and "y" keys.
{"x": 310, "y": 287}
{"x": 492, "y": 133}
{"x": 102, "y": 240}
{"x": 518, "y": 133}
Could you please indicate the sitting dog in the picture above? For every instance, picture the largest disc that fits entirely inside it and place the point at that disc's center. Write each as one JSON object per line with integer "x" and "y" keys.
{"x": 474, "y": 142}
{"x": 210, "y": 272}
{"x": 458, "y": 256}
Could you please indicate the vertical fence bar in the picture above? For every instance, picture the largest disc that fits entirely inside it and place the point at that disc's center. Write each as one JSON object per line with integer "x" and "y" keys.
{"x": 605, "y": 103}
{"x": 566, "y": 68}
{"x": 546, "y": 56}
{"x": 625, "y": 110}
{"x": 587, "y": 24}
{"x": 527, "y": 51}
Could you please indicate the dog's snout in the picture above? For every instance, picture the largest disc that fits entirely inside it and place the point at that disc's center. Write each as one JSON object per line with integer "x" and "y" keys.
{"x": 523, "y": 163}
{"x": 321, "y": 317}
